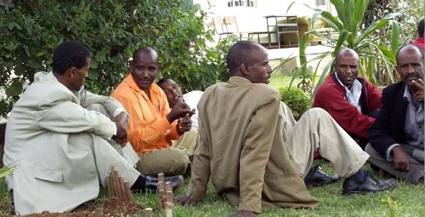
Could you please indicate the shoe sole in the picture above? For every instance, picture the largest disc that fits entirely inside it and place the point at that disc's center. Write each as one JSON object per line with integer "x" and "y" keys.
{"x": 322, "y": 184}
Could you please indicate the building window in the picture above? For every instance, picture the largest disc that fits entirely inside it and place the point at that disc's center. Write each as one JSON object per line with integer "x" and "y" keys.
{"x": 320, "y": 2}
{"x": 240, "y": 3}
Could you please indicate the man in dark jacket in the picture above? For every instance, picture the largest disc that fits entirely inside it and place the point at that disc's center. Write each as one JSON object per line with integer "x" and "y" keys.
{"x": 351, "y": 100}
{"x": 397, "y": 135}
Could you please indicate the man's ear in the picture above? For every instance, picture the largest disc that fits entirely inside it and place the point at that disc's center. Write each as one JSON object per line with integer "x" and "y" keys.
{"x": 244, "y": 69}
{"x": 398, "y": 69}
{"x": 70, "y": 72}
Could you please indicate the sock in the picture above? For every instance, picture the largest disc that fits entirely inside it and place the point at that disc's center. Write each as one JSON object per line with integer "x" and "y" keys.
{"x": 360, "y": 175}
{"x": 139, "y": 185}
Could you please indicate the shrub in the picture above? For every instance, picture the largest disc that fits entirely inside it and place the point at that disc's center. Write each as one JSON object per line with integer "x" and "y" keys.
{"x": 112, "y": 30}
{"x": 296, "y": 99}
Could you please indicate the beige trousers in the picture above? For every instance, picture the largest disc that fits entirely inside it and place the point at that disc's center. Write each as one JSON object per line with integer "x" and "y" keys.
{"x": 317, "y": 129}
{"x": 106, "y": 158}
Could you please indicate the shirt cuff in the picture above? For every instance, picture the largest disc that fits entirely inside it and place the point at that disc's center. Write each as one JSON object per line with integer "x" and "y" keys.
{"x": 117, "y": 112}
{"x": 388, "y": 152}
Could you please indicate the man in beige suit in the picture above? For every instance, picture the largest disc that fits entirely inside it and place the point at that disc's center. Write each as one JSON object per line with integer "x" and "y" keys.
{"x": 253, "y": 150}
{"x": 59, "y": 148}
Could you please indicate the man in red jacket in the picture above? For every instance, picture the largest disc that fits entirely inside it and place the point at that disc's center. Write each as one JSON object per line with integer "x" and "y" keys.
{"x": 419, "y": 41}
{"x": 351, "y": 100}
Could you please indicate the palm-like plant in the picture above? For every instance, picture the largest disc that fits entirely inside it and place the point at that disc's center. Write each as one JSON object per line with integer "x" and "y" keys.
{"x": 376, "y": 52}
{"x": 6, "y": 171}
{"x": 374, "y": 49}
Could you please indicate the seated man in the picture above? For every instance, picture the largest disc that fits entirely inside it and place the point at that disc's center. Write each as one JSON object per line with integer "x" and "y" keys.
{"x": 397, "y": 136}
{"x": 152, "y": 124}
{"x": 352, "y": 101}
{"x": 109, "y": 107}
{"x": 253, "y": 150}
{"x": 59, "y": 148}
{"x": 420, "y": 41}
{"x": 187, "y": 141}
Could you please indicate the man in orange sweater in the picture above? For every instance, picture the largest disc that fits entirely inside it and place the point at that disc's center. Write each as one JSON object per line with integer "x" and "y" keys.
{"x": 152, "y": 124}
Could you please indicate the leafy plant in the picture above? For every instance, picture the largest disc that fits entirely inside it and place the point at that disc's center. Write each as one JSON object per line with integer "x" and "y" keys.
{"x": 376, "y": 52}
{"x": 296, "y": 99}
{"x": 112, "y": 30}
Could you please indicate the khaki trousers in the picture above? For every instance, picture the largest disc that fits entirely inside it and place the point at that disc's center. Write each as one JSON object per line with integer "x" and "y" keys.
{"x": 170, "y": 161}
{"x": 317, "y": 129}
{"x": 187, "y": 142}
{"x": 416, "y": 168}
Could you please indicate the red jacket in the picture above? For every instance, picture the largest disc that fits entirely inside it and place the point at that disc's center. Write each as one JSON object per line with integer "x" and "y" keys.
{"x": 331, "y": 97}
{"x": 419, "y": 42}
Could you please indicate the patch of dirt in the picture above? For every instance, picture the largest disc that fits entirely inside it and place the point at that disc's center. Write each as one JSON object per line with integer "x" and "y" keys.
{"x": 110, "y": 208}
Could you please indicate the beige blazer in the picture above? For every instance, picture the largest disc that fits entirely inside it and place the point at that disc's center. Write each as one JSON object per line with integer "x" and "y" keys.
{"x": 52, "y": 173}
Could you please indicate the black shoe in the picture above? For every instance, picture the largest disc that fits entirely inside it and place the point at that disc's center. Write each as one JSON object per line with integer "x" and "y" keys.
{"x": 316, "y": 177}
{"x": 152, "y": 182}
{"x": 352, "y": 185}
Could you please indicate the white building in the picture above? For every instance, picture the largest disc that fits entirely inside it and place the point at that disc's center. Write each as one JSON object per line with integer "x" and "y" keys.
{"x": 250, "y": 14}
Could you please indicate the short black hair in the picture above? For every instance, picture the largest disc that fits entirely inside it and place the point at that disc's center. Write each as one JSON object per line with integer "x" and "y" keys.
{"x": 239, "y": 53}
{"x": 163, "y": 80}
{"x": 69, "y": 54}
{"x": 421, "y": 25}
{"x": 146, "y": 50}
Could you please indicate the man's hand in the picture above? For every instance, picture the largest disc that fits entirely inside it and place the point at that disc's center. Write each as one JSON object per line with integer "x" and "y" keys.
{"x": 244, "y": 213}
{"x": 401, "y": 159}
{"x": 185, "y": 200}
{"x": 180, "y": 110}
{"x": 418, "y": 87}
{"x": 185, "y": 124}
{"x": 121, "y": 121}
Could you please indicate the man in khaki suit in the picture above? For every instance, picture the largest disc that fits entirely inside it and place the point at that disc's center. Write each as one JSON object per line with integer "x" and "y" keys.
{"x": 253, "y": 150}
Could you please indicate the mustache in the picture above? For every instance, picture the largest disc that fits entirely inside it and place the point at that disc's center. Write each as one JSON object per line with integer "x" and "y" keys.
{"x": 411, "y": 78}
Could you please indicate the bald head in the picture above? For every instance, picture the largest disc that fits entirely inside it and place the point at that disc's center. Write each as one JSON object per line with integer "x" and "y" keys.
{"x": 249, "y": 60}
{"x": 346, "y": 52}
{"x": 144, "y": 68}
{"x": 408, "y": 50}
{"x": 410, "y": 64}
{"x": 347, "y": 66}
{"x": 242, "y": 52}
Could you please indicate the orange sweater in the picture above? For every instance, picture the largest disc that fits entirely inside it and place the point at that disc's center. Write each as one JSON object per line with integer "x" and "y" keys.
{"x": 148, "y": 129}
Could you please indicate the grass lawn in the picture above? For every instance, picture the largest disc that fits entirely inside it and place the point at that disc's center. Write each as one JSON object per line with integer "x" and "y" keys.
{"x": 405, "y": 200}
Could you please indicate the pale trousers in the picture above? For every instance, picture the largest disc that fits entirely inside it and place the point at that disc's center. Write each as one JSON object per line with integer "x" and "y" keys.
{"x": 106, "y": 158}
{"x": 127, "y": 151}
{"x": 415, "y": 174}
{"x": 316, "y": 129}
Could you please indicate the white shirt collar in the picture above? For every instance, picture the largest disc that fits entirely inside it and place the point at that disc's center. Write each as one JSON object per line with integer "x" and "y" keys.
{"x": 353, "y": 94}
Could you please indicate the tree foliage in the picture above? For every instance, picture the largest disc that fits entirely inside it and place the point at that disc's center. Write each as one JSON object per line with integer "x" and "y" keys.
{"x": 112, "y": 30}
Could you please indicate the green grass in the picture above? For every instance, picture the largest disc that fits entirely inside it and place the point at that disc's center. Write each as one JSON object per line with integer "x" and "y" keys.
{"x": 279, "y": 80}
{"x": 405, "y": 200}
